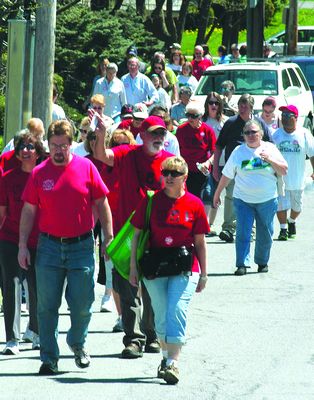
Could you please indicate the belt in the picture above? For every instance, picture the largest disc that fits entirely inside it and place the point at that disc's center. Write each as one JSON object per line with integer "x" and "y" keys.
{"x": 68, "y": 240}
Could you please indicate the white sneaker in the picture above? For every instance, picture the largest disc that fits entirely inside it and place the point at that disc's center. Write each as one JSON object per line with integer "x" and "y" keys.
{"x": 36, "y": 342}
{"x": 11, "y": 348}
{"x": 28, "y": 335}
{"x": 106, "y": 303}
{"x": 24, "y": 308}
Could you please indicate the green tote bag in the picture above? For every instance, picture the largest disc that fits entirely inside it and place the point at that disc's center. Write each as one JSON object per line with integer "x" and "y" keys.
{"x": 119, "y": 250}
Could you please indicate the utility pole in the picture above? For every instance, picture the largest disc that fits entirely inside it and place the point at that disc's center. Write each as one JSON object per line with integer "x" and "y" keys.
{"x": 44, "y": 60}
{"x": 292, "y": 30}
{"x": 255, "y": 28}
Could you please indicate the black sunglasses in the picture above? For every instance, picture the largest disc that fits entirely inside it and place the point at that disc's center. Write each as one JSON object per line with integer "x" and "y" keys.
{"x": 250, "y": 132}
{"x": 213, "y": 103}
{"x": 173, "y": 173}
{"x": 27, "y": 146}
{"x": 193, "y": 116}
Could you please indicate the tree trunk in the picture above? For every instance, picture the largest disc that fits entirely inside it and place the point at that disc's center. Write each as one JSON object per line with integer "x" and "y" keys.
{"x": 140, "y": 7}
{"x": 203, "y": 21}
{"x": 230, "y": 26}
{"x": 117, "y": 6}
{"x": 96, "y": 5}
{"x": 171, "y": 26}
{"x": 182, "y": 18}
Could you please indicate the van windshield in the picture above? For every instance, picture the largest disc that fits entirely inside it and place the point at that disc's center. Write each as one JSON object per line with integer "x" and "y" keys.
{"x": 255, "y": 82}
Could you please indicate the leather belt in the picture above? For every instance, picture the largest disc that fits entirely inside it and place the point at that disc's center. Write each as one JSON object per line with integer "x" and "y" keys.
{"x": 68, "y": 240}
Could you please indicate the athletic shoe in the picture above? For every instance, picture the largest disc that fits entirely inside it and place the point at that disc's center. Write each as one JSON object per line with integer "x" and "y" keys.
{"x": 162, "y": 368}
{"x": 283, "y": 235}
{"x": 28, "y": 335}
{"x": 11, "y": 348}
{"x": 106, "y": 304}
{"x": 240, "y": 271}
{"x": 36, "y": 342}
{"x": 171, "y": 375}
{"x": 48, "y": 368}
{"x": 81, "y": 356}
{"x": 133, "y": 350}
{"x": 226, "y": 236}
{"x": 152, "y": 347}
{"x": 291, "y": 230}
{"x": 118, "y": 327}
{"x": 262, "y": 268}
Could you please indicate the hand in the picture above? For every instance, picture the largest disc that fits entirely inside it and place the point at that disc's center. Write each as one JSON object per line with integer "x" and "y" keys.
{"x": 101, "y": 124}
{"x": 133, "y": 277}
{"x": 201, "y": 284}
{"x": 204, "y": 167}
{"x": 24, "y": 257}
{"x": 265, "y": 156}
{"x": 162, "y": 74}
{"x": 216, "y": 201}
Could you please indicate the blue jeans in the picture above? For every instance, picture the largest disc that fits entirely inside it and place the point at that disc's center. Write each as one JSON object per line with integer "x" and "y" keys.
{"x": 170, "y": 297}
{"x": 263, "y": 213}
{"x": 56, "y": 262}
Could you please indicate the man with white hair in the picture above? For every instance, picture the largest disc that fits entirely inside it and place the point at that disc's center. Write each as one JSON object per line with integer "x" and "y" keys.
{"x": 200, "y": 64}
{"x": 197, "y": 145}
{"x": 138, "y": 87}
{"x": 113, "y": 91}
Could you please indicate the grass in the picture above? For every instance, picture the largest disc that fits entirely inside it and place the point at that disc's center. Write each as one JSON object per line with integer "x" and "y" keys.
{"x": 306, "y": 17}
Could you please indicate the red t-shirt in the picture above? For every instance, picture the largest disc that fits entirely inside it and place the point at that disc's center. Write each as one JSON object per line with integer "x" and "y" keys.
{"x": 173, "y": 222}
{"x": 200, "y": 66}
{"x": 65, "y": 195}
{"x": 111, "y": 178}
{"x": 9, "y": 161}
{"x": 138, "y": 172}
{"x": 196, "y": 145}
{"x": 12, "y": 185}
{"x": 127, "y": 124}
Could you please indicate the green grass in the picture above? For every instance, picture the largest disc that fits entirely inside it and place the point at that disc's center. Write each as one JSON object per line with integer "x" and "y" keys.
{"x": 306, "y": 17}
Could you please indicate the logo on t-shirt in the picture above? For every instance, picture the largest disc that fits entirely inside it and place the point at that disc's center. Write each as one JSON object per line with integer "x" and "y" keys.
{"x": 166, "y": 144}
{"x": 287, "y": 146}
{"x": 48, "y": 184}
{"x": 168, "y": 240}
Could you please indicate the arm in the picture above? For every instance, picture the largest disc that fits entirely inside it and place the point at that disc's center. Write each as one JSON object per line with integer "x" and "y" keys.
{"x": 101, "y": 153}
{"x": 133, "y": 278}
{"x": 105, "y": 218}
{"x": 26, "y": 224}
{"x": 3, "y": 213}
{"x": 200, "y": 248}
{"x": 279, "y": 164}
{"x": 151, "y": 92}
{"x": 224, "y": 181}
{"x": 217, "y": 155}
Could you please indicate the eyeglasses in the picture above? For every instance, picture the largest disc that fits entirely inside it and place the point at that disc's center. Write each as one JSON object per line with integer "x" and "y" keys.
{"x": 198, "y": 53}
{"x": 159, "y": 132}
{"x": 27, "y": 146}
{"x": 192, "y": 116}
{"x": 288, "y": 114}
{"x": 213, "y": 103}
{"x": 97, "y": 108}
{"x": 171, "y": 172}
{"x": 63, "y": 146}
{"x": 251, "y": 132}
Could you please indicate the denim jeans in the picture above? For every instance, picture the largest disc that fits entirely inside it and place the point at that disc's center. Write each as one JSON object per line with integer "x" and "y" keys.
{"x": 263, "y": 213}
{"x": 56, "y": 262}
{"x": 170, "y": 297}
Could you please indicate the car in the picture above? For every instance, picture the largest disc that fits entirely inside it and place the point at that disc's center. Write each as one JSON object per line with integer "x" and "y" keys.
{"x": 305, "y": 42}
{"x": 282, "y": 80}
{"x": 306, "y": 63}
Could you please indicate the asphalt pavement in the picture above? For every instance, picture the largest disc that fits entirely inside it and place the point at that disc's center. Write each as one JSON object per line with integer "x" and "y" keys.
{"x": 249, "y": 337}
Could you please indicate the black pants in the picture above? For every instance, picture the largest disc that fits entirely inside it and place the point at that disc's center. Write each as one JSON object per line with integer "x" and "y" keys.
{"x": 137, "y": 328}
{"x": 195, "y": 182}
{"x": 12, "y": 276}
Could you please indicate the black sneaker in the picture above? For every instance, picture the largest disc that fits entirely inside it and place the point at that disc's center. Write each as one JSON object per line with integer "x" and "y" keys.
{"x": 291, "y": 230}
{"x": 48, "y": 368}
{"x": 262, "y": 268}
{"x": 240, "y": 271}
{"x": 133, "y": 350}
{"x": 81, "y": 357}
{"x": 152, "y": 347}
{"x": 283, "y": 235}
{"x": 226, "y": 236}
{"x": 162, "y": 368}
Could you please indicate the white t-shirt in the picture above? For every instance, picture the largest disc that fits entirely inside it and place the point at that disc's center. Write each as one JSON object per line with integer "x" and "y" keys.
{"x": 255, "y": 179}
{"x": 164, "y": 98}
{"x": 190, "y": 81}
{"x": 57, "y": 112}
{"x": 294, "y": 147}
{"x": 171, "y": 143}
{"x": 78, "y": 149}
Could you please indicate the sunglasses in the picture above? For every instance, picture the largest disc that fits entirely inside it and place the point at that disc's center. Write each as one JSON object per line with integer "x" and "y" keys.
{"x": 97, "y": 108}
{"x": 213, "y": 103}
{"x": 28, "y": 146}
{"x": 192, "y": 116}
{"x": 251, "y": 132}
{"x": 158, "y": 132}
{"x": 171, "y": 172}
{"x": 288, "y": 114}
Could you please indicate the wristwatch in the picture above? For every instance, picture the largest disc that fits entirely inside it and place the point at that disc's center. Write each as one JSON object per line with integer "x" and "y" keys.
{"x": 203, "y": 277}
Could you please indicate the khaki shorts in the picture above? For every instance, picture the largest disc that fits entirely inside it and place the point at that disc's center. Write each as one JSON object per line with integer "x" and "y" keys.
{"x": 291, "y": 200}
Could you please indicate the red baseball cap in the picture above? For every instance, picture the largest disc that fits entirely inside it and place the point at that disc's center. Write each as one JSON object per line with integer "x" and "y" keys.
{"x": 290, "y": 108}
{"x": 152, "y": 123}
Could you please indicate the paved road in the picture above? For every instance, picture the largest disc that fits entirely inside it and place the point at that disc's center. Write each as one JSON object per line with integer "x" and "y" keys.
{"x": 249, "y": 337}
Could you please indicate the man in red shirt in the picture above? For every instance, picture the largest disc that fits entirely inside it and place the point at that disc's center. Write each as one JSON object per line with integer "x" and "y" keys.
{"x": 64, "y": 188}
{"x": 200, "y": 64}
{"x": 139, "y": 169}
